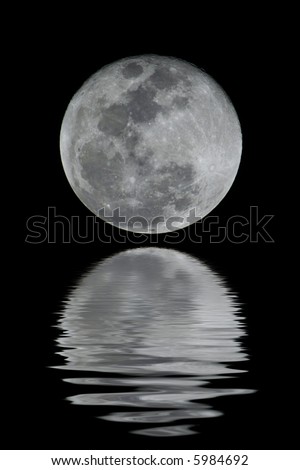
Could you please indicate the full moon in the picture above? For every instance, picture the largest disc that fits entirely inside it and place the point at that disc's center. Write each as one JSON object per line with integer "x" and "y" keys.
{"x": 150, "y": 144}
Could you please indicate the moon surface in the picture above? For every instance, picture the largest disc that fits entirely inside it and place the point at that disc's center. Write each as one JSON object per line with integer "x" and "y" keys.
{"x": 148, "y": 140}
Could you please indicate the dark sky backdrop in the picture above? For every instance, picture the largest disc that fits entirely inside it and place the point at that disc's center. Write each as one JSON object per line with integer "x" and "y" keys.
{"x": 56, "y": 56}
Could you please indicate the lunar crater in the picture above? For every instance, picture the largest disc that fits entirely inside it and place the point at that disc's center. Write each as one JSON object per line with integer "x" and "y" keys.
{"x": 132, "y": 70}
{"x": 142, "y": 105}
{"x": 163, "y": 78}
{"x": 114, "y": 120}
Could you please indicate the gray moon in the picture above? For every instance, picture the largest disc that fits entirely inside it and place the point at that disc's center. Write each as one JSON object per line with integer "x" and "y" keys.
{"x": 149, "y": 140}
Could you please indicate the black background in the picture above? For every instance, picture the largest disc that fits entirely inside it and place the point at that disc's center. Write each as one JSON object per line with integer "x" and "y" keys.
{"x": 56, "y": 55}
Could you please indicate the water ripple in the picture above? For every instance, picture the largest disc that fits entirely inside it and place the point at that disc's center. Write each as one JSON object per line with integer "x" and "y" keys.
{"x": 161, "y": 324}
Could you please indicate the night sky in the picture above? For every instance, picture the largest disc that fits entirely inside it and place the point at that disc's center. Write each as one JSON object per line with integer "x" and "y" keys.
{"x": 56, "y": 55}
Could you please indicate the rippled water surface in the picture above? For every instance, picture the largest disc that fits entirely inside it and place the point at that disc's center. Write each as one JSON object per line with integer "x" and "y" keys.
{"x": 148, "y": 333}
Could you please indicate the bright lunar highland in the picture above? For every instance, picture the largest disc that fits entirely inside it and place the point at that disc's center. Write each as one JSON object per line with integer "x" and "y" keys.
{"x": 153, "y": 140}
